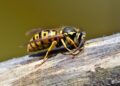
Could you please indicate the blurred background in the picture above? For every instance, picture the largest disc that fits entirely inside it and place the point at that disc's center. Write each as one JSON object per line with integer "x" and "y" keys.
{"x": 97, "y": 17}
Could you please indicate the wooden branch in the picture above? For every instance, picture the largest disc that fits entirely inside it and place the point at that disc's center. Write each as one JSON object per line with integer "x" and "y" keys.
{"x": 61, "y": 70}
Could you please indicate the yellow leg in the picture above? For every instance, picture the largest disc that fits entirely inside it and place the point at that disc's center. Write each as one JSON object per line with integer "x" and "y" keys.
{"x": 46, "y": 56}
{"x": 78, "y": 48}
{"x": 71, "y": 42}
{"x": 72, "y": 53}
{"x": 65, "y": 45}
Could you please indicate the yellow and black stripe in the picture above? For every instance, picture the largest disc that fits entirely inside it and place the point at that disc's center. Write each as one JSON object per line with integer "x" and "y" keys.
{"x": 42, "y": 44}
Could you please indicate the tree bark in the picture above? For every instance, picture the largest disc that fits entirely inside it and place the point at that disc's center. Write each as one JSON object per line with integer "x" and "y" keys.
{"x": 96, "y": 65}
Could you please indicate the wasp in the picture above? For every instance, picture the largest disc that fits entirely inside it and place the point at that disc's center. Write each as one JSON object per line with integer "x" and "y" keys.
{"x": 52, "y": 38}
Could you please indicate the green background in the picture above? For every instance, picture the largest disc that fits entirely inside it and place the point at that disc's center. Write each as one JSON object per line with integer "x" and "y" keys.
{"x": 98, "y": 17}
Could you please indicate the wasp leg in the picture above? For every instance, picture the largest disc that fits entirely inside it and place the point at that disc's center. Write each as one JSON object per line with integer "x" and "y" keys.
{"x": 70, "y": 51}
{"x": 71, "y": 42}
{"x": 65, "y": 45}
{"x": 46, "y": 56}
{"x": 79, "y": 48}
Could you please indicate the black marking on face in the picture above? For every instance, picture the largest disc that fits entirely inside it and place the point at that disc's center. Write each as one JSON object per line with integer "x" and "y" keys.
{"x": 81, "y": 36}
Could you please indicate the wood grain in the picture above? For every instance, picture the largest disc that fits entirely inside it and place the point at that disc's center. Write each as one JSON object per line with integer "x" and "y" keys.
{"x": 62, "y": 70}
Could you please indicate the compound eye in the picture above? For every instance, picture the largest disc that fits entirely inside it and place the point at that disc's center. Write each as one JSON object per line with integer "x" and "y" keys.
{"x": 68, "y": 29}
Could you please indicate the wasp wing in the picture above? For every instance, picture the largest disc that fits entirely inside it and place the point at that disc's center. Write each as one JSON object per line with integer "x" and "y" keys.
{"x": 33, "y": 31}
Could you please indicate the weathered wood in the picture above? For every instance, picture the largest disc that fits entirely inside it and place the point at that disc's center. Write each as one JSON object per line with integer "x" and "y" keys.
{"x": 62, "y": 70}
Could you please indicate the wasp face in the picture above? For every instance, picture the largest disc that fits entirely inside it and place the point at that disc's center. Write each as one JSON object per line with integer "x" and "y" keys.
{"x": 81, "y": 36}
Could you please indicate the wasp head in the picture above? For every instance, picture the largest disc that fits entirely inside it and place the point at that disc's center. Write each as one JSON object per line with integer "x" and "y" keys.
{"x": 75, "y": 35}
{"x": 69, "y": 31}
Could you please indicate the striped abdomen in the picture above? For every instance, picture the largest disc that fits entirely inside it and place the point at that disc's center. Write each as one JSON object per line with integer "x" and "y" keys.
{"x": 41, "y": 40}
